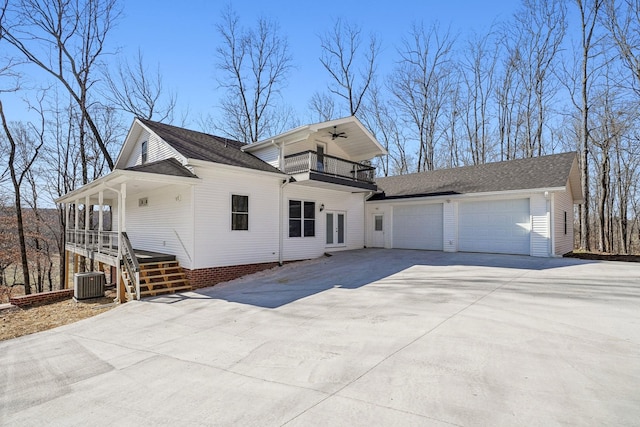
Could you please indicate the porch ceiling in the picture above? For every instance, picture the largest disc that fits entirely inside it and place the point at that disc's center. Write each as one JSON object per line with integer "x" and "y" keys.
{"x": 359, "y": 145}
{"x": 110, "y": 185}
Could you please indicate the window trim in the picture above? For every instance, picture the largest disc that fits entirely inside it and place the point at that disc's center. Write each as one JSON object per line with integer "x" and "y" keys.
{"x": 232, "y": 195}
{"x": 302, "y": 218}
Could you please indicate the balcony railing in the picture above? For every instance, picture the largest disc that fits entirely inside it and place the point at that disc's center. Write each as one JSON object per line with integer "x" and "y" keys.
{"x": 92, "y": 240}
{"x": 310, "y": 161}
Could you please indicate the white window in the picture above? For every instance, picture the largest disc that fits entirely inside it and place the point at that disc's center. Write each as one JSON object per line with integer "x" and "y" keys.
{"x": 144, "y": 152}
{"x": 302, "y": 218}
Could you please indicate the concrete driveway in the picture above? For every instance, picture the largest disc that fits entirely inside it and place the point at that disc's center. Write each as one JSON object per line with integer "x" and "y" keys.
{"x": 369, "y": 337}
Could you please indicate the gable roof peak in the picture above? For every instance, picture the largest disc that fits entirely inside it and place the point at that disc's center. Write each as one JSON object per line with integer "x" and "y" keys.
{"x": 203, "y": 146}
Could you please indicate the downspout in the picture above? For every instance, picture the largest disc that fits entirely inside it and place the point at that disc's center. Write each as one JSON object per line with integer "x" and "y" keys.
{"x": 367, "y": 196}
{"x": 280, "y": 221}
{"x": 121, "y": 208}
{"x": 552, "y": 228}
{"x": 119, "y": 258}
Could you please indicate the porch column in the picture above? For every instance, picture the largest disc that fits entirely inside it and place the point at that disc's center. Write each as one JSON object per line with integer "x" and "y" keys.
{"x": 87, "y": 224}
{"x": 100, "y": 213}
{"x": 121, "y": 227}
{"x": 122, "y": 208}
{"x": 76, "y": 215}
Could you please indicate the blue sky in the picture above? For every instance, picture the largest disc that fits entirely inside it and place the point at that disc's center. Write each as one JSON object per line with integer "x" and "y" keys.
{"x": 182, "y": 39}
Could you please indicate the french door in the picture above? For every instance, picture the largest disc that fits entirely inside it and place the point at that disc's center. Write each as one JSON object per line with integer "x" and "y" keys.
{"x": 336, "y": 225}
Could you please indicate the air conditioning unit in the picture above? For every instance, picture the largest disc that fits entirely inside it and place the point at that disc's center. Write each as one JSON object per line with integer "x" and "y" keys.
{"x": 88, "y": 285}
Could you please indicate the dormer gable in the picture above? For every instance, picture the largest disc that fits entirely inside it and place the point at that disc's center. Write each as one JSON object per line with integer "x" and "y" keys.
{"x": 142, "y": 145}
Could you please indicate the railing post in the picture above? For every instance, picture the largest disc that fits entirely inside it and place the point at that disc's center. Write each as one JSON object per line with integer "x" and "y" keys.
{"x": 137, "y": 285}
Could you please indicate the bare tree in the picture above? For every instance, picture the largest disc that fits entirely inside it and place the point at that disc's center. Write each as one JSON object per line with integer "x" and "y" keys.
{"x": 383, "y": 123}
{"x": 533, "y": 42}
{"x": 135, "y": 89}
{"x": 588, "y": 12}
{"x": 322, "y": 107}
{"x": 352, "y": 71}
{"x": 254, "y": 65}
{"x": 421, "y": 86}
{"x": 18, "y": 171}
{"x": 478, "y": 69}
{"x": 66, "y": 39}
{"x": 623, "y": 22}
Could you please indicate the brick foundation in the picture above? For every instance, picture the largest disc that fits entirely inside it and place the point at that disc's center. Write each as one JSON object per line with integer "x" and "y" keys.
{"x": 203, "y": 277}
{"x": 41, "y": 298}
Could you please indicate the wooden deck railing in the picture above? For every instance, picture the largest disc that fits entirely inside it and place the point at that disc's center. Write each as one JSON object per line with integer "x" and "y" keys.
{"x": 105, "y": 242}
{"x": 130, "y": 263}
{"x": 309, "y": 161}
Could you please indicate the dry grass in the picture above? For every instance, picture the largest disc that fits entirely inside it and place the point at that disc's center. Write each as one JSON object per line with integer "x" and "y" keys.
{"x": 17, "y": 322}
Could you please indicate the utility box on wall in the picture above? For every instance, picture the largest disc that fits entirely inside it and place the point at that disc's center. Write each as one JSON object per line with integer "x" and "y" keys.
{"x": 88, "y": 285}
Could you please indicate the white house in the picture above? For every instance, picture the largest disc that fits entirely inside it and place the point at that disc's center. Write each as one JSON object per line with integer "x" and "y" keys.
{"x": 220, "y": 207}
{"x": 191, "y": 209}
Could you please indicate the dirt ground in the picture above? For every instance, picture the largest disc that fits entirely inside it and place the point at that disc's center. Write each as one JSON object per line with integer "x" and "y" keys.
{"x": 16, "y": 322}
{"x": 603, "y": 256}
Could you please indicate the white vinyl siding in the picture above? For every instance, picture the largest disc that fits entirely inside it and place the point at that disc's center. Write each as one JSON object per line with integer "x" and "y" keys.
{"x": 351, "y": 204}
{"x": 216, "y": 244}
{"x": 157, "y": 150}
{"x": 418, "y": 227}
{"x": 563, "y": 202}
{"x": 540, "y": 239}
{"x": 269, "y": 154}
{"x": 164, "y": 225}
{"x": 498, "y": 226}
{"x": 450, "y": 224}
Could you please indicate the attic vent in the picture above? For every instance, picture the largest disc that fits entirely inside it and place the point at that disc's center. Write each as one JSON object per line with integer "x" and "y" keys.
{"x": 143, "y": 202}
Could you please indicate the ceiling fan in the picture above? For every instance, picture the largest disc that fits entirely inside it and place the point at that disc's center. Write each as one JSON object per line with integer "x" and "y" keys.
{"x": 335, "y": 134}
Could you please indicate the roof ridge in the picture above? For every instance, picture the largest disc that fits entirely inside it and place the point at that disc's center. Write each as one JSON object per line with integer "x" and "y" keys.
{"x": 483, "y": 165}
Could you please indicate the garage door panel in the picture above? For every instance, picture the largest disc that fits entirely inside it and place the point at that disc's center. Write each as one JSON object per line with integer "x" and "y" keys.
{"x": 418, "y": 227}
{"x": 501, "y": 226}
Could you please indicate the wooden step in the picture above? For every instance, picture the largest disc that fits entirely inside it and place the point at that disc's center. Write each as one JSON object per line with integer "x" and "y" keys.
{"x": 164, "y": 282}
{"x": 165, "y": 277}
{"x": 155, "y": 270}
{"x": 166, "y": 264}
{"x": 156, "y": 292}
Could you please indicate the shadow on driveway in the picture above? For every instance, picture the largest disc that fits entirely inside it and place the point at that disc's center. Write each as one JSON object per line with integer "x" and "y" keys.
{"x": 351, "y": 270}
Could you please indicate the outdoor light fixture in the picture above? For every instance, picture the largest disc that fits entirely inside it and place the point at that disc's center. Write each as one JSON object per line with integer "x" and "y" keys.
{"x": 321, "y": 207}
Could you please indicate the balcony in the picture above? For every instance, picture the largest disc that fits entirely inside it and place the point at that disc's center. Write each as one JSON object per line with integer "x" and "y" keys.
{"x": 330, "y": 170}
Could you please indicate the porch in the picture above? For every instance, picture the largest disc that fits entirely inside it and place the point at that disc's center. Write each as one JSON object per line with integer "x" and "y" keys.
{"x": 102, "y": 246}
{"x": 96, "y": 234}
{"x": 142, "y": 272}
{"x": 324, "y": 170}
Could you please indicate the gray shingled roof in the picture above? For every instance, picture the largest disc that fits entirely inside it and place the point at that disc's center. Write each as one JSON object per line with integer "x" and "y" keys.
{"x": 169, "y": 166}
{"x": 523, "y": 174}
{"x": 211, "y": 148}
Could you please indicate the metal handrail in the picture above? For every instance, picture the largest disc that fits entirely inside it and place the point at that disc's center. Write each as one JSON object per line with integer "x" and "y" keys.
{"x": 325, "y": 164}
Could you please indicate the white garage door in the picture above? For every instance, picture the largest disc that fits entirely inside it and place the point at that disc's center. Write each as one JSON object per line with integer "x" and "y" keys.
{"x": 496, "y": 227}
{"x": 418, "y": 227}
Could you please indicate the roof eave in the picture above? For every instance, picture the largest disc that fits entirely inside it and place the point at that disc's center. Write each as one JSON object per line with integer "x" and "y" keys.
{"x": 119, "y": 176}
{"x": 292, "y": 135}
{"x": 453, "y": 195}
{"x": 208, "y": 164}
